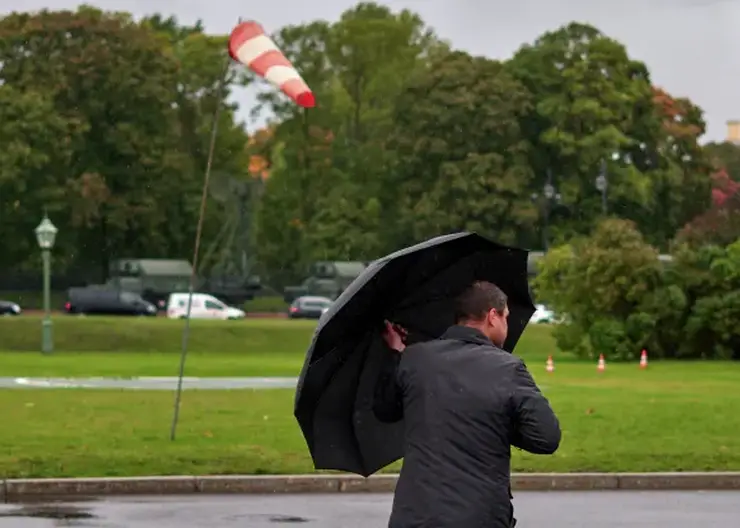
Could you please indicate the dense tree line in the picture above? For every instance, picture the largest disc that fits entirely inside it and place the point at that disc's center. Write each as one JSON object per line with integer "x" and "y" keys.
{"x": 105, "y": 123}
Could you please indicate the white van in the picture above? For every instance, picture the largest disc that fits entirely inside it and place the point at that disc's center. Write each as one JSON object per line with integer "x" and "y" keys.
{"x": 204, "y": 307}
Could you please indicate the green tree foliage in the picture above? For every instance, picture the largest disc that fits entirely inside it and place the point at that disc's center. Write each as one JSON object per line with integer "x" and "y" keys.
{"x": 117, "y": 117}
{"x": 35, "y": 143}
{"x": 594, "y": 104}
{"x": 620, "y": 298}
{"x": 336, "y": 164}
{"x": 111, "y": 76}
{"x": 725, "y": 156}
{"x": 106, "y": 122}
{"x": 720, "y": 224}
{"x": 600, "y": 282}
{"x": 461, "y": 158}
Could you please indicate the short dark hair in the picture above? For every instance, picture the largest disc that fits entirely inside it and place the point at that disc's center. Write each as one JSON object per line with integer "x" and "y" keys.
{"x": 477, "y": 300}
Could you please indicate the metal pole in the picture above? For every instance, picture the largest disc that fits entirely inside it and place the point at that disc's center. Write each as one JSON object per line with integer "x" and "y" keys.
{"x": 198, "y": 232}
{"x": 604, "y": 207}
{"x": 605, "y": 186}
{"x": 546, "y": 225}
{"x": 546, "y": 217}
{"x": 47, "y": 343}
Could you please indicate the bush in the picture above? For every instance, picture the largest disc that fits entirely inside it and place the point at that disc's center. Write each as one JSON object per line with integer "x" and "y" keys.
{"x": 619, "y": 298}
{"x": 131, "y": 334}
{"x": 600, "y": 283}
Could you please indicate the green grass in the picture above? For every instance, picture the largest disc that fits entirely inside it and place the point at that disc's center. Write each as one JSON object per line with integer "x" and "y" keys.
{"x": 160, "y": 335}
{"x": 219, "y": 348}
{"x": 671, "y": 417}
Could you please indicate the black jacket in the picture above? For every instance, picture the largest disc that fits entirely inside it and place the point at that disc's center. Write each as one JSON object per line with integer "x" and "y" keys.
{"x": 465, "y": 402}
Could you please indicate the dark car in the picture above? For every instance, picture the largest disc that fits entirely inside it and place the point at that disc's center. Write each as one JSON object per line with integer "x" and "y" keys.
{"x": 9, "y": 308}
{"x": 309, "y": 307}
{"x": 99, "y": 301}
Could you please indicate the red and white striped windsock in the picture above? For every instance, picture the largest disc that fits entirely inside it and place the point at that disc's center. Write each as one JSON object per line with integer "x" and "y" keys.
{"x": 249, "y": 45}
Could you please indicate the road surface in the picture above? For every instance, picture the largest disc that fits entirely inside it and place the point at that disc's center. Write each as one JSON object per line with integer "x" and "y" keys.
{"x": 148, "y": 383}
{"x": 621, "y": 509}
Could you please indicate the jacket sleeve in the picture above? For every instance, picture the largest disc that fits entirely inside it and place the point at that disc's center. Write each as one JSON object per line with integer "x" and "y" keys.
{"x": 388, "y": 400}
{"x": 536, "y": 428}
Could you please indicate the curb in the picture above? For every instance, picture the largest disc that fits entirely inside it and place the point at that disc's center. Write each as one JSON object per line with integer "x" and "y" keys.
{"x": 13, "y": 490}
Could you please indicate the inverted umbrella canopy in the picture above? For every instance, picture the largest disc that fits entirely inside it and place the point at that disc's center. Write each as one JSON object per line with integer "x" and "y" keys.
{"x": 414, "y": 287}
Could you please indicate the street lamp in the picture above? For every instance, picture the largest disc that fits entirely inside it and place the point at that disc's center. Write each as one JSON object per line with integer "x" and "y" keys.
{"x": 602, "y": 184}
{"x": 46, "y": 234}
{"x": 550, "y": 194}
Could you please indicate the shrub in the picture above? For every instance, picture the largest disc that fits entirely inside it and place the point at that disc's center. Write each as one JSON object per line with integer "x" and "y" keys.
{"x": 619, "y": 298}
{"x": 600, "y": 282}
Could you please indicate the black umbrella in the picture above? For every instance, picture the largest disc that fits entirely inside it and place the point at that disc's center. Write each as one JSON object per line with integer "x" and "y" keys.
{"x": 413, "y": 287}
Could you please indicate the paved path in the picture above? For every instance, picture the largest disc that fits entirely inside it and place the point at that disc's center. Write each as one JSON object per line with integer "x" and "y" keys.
{"x": 621, "y": 509}
{"x": 148, "y": 383}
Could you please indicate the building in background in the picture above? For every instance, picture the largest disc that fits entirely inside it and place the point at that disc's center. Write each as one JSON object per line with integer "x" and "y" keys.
{"x": 733, "y": 131}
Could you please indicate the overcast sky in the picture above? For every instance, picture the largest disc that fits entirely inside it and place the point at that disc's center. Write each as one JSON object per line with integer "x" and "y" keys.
{"x": 690, "y": 46}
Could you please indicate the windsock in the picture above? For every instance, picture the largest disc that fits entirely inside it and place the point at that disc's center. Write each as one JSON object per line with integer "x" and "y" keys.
{"x": 250, "y": 46}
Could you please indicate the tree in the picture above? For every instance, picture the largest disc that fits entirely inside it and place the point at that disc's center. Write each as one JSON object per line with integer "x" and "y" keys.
{"x": 602, "y": 283}
{"x": 710, "y": 278}
{"x": 462, "y": 162}
{"x": 720, "y": 224}
{"x": 279, "y": 229}
{"x": 36, "y": 142}
{"x": 205, "y": 80}
{"x": 114, "y": 78}
{"x": 586, "y": 89}
{"x": 335, "y": 155}
{"x": 595, "y": 105}
{"x": 725, "y": 156}
{"x": 678, "y": 168}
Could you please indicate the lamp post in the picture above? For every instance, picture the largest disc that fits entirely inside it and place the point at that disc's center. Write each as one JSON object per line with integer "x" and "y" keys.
{"x": 602, "y": 184}
{"x": 549, "y": 192}
{"x": 46, "y": 234}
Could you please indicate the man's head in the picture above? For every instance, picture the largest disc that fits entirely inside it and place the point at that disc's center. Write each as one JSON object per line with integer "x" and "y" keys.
{"x": 483, "y": 306}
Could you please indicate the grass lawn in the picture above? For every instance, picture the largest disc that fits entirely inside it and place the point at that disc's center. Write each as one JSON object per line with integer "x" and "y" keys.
{"x": 156, "y": 334}
{"x": 670, "y": 417}
{"x": 243, "y": 348}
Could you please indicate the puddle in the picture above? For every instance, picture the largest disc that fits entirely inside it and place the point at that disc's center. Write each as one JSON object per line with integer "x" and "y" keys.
{"x": 272, "y": 518}
{"x": 287, "y": 519}
{"x": 56, "y": 512}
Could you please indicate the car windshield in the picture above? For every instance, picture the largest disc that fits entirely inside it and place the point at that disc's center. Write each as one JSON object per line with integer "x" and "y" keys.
{"x": 131, "y": 297}
{"x": 316, "y": 304}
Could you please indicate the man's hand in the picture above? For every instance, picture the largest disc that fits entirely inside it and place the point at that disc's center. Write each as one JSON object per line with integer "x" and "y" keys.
{"x": 395, "y": 336}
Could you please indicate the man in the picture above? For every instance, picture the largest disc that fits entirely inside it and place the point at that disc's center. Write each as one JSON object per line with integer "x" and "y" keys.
{"x": 465, "y": 402}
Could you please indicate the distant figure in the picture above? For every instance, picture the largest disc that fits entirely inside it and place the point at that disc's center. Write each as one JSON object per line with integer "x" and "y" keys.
{"x": 465, "y": 402}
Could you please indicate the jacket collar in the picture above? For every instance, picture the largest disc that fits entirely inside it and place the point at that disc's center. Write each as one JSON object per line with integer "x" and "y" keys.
{"x": 466, "y": 334}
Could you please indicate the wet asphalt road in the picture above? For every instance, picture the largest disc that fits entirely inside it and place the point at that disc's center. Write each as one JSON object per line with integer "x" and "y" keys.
{"x": 148, "y": 383}
{"x": 537, "y": 510}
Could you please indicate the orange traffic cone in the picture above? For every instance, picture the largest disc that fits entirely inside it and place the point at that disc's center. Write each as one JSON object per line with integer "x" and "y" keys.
{"x": 602, "y": 363}
{"x": 550, "y": 367}
{"x": 643, "y": 359}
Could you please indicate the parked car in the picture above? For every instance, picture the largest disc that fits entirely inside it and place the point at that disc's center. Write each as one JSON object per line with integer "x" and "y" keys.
{"x": 542, "y": 314}
{"x": 104, "y": 301}
{"x": 9, "y": 308}
{"x": 204, "y": 306}
{"x": 309, "y": 307}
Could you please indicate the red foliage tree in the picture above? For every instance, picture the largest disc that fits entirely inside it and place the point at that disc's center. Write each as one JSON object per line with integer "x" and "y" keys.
{"x": 721, "y": 223}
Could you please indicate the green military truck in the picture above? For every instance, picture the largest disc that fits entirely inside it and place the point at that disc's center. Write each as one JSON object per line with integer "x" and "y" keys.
{"x": 155, "y": 279}
{"x": 326, "y": 279}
